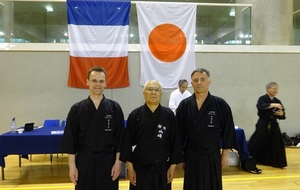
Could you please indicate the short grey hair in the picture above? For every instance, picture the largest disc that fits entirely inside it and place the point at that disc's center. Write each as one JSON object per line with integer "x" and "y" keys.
{"x": 152, "y": 82}
{"x": 201, "y": 70}
{"x": 271, "y": 84}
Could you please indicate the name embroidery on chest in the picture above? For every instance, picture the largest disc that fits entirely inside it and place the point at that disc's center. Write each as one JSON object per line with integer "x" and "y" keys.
{"x": 211, "y": 118}
{"x": 161, "y": 130}
{"x": 108, "y": 117}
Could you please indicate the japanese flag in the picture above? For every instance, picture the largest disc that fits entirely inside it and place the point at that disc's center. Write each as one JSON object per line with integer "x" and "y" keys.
{"x": 167, "y": 38}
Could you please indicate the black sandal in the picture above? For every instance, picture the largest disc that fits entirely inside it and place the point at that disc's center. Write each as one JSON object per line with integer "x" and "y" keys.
{"x": 255, "y": 171}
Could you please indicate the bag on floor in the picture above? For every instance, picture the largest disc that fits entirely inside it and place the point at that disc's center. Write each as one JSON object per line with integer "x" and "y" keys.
{"x": 233, "y": 158}
{"x": 287, "y": 140}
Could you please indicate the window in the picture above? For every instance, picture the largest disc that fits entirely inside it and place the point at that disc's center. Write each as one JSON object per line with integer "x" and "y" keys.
{"x": 46, "y": 22}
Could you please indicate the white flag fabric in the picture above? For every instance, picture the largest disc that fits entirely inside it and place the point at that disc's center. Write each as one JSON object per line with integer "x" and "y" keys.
{"x": 167, "y": 38}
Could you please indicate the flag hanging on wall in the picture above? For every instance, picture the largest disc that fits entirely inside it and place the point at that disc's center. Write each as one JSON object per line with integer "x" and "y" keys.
{"x": 98, "y": 36}
{"x": 167, "y": 38}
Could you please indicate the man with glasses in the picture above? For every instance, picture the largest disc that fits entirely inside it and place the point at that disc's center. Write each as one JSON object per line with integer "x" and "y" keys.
{"x": 152, "y": 146}
{"x": 205, "y": 122}
{"x": 93, "y": 136}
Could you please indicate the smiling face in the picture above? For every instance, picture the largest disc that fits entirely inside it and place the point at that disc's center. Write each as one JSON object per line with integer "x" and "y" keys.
{"x": 152, "y": 92}
{"x": 96, "y": 82}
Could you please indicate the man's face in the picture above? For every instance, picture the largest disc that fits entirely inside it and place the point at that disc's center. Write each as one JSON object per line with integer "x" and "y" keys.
{"x": 152, "y": 93}
{"x": 200, "y": 82}
{"x": 273, "y": 90}
{"x": 183, "y": 87}
{"x": 96, "y": 83}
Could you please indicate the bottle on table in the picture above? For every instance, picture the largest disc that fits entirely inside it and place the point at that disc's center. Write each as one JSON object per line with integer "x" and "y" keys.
{"x": 13, "y": 125}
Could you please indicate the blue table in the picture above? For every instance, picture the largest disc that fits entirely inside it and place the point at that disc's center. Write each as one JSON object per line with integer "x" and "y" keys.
{"x": 45, "y": 140}
{"x": 242, "y": 144}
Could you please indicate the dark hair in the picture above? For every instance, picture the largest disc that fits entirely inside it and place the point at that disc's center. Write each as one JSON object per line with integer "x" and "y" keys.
{"x": 181, "y": 81}
{"x": 201, "y": 70}
{"x": 96, "y": 69}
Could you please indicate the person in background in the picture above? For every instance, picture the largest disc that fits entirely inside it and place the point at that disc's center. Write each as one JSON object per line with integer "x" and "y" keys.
{"x": 152, "y": 130}
{"x": 266, "y": 144}
{"x": 93, "y": 136}
{"x": 206, "y": 124}
{"x": 178, "y": 95}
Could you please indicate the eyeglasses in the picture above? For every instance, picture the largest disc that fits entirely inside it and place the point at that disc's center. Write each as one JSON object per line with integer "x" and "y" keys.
{"x": 153, "y": 89}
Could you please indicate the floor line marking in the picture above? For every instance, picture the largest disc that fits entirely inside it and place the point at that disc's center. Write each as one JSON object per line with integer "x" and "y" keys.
{"x": 259, "y": 177}
{"x": 126, "y": 183}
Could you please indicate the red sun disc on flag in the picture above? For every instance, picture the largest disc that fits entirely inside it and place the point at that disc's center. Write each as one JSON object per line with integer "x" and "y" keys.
{"x": 167, "y": 42}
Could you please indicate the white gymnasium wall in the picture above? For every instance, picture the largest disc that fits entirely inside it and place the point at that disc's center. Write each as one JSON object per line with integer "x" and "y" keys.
{"x": 33, "y": 85}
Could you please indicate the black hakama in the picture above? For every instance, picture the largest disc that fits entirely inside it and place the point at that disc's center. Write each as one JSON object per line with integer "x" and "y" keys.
{"x": 266, "y": 144}
{"x": 157, "y": 146}
{"x": 204, "y": 131}
{"x": 94, "y": 136}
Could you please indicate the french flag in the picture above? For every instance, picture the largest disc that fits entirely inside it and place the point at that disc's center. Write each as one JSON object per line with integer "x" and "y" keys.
{"x": 98, "y": 36}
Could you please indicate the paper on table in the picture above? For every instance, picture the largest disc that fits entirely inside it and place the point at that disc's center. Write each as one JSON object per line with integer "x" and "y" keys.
{"x": 38, "y": 127}
{"x": 57, "y": 132}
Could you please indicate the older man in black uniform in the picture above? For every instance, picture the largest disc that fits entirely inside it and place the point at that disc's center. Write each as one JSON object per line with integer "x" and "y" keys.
{"x": 205, "y": 122}
{"x": 152, "y": 130}
{"x": 92, "y": 137}
{"x": 266, "y": 144}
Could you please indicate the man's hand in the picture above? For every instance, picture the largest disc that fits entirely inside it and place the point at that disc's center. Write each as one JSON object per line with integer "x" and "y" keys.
{"x": 279, "y": 113}
{"x": 224, "y": 158}
{"x": 171, "y": 173}
{"x": 116, "y": 170}
{"x": 73, "y": 171}
{"x": 131, "y": 173}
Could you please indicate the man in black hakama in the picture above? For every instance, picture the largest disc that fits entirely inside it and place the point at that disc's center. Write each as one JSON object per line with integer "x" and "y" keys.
{"x": 266, "y": 144}
{"x": 93, "y": 136}
{"x": 205, "y": 122}
{"x": 152, "y": 130}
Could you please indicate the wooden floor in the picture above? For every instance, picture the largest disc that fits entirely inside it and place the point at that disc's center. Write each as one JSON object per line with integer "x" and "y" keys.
{"x": 40, "y": 174}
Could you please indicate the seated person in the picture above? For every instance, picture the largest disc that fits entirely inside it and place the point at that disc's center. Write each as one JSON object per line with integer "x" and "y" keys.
{"x": 178, "y": 95}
